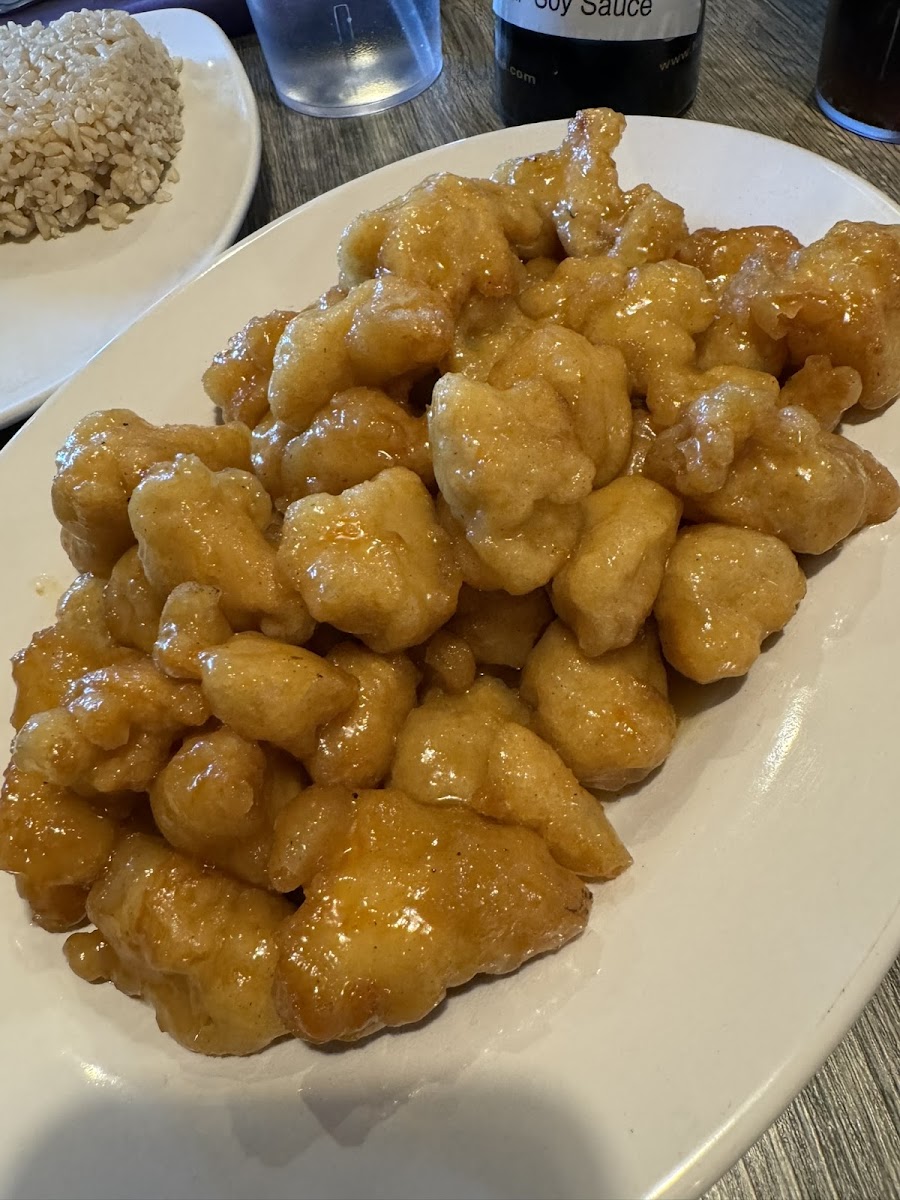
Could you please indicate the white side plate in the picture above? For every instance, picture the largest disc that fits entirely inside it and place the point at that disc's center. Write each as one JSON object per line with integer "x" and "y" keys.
{"x": 760, "y": 914}
{"x": 61, "y": 301}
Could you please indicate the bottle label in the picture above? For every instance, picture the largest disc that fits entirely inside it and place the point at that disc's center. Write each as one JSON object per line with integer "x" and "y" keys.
{"x": 604, "y": 20}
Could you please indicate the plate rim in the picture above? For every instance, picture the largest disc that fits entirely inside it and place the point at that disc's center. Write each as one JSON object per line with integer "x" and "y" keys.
{"x": 755, "y": 1114}
{"x": 27, "y": 406}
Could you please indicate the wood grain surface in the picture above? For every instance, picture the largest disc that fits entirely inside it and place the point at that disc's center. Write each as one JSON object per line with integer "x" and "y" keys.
{"x": 840, "y": 1138}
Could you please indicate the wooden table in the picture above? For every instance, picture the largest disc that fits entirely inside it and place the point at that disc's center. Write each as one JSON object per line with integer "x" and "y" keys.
{"x": 841, "y": 1136}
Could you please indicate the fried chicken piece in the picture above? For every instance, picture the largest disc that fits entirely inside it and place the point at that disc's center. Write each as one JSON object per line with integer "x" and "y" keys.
{"x": 447, "y": 662}
{"x": 191, "y": 621}
{"x": 840, "y": 296}
{"x": 361, "y": 433}
{"x": 79, "y": 642}
{"x": 452, "y": 235}
{"x": 577, "y": 185}
{"x": 311, "y": 832}
{"x": 423, "y": 899}
{"x": 443, "y": 746}
{"x": 576, "y": 289}
{"x": 605, "y": 592}
{"x": 133, "y": 605}
{"x": 590, "y": 379}
{"x": 273, "y": 692}
{"x": 474, "y": 571}
{"x": 384, "y": 328}
{"x": 356, "y": 747}
{"x": 103, "y": 460}
{"x": 487, "y": 329}
{"x": 653, "y": 322}
{"x": 527, "y": 783}
{"x": 268, "y": 442}
{"x": 56, "y": 843}
{"x": 724, "y": 592}
{"x": 651, "y": 228}
{"x": 57, "y": 908}
{"x": 500, "y": 629}
{"x": 736, "y": 457}
{"x": 737, "y": 262}
{"x": 199, "y": 946}
{"x": 237, "y": 379}
{"x": 673, "y": 390}
{"x": 720, "y": 253}
{"x": 198, "y": 526}
{"x": 113, "y": 731}
{"x": 510, "y": 467}
{"x": 825, "y": 391}
{"x": 218, "y": 797}
{"x": 608, "y": 718}
{"x": 373, "y": 561}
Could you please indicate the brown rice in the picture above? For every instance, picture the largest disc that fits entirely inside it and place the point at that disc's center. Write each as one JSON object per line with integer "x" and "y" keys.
{"x": 90, "y": 118}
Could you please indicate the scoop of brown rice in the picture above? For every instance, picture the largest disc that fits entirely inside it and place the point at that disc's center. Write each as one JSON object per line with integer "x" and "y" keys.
{"x": 90, "y": 118}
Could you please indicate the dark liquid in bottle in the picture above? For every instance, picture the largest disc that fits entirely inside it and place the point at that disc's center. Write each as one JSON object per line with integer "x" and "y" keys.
{"x": 859, "y": 69}
{"x": 540, "y": 77}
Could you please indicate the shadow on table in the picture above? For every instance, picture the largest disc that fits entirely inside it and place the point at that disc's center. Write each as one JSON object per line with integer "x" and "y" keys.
{"x": 455, "y": 1143}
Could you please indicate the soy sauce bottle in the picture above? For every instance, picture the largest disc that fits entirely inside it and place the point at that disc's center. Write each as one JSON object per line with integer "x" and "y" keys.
{"x": 556, "y": 56}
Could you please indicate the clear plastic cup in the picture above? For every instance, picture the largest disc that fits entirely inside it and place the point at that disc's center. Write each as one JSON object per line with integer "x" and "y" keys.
{"x": 343, "y": 60}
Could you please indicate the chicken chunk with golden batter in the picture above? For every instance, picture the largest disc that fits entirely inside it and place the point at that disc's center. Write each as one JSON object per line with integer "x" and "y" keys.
{"x": 446, "y": 662}
{"x": 361, "y": 433}
{"x": 527, "y": 783}
{"x": 237, "y": 379}
{"x": 608, "y": 718}
{"x": 54, "y": 841}
{"x": 199, "y": 526}
{"x": 274, "y": 692}
{"x": 373, "y": 561}
{"x": 79, "y": 642}
{"x": 662, "y": 306}
{"x": 822, "y": 389}
{"x": 443, "y": 746}
{"x": 500, "y": 629}
{"x": 590, "y": 379}
{"x": 384, "y": 328}
{"x": 488, "y": 328}
{"x": 605, "y": 592}
{"x": 577, "y": 185}
{"x": 218, "y": 797}
{"x": 474, "y": 570}
{"x": 511, "y": 468}
{"x": 103, "y": 460}
{"x": 423, "y": 900}
{"x": 737, "y": 457}
{"x": 192, "y": 620}
{"x": 199, "y": 946}
{"x": 452, "y": 235}
{"x": 133, "y": 605}
{"x": 573, "y": 291}
{"x": 650, "y": 228}
{"x": 725, "y": 590}
{"x": 840, "y": 296}
{"x": 311, "y": 832}
{"x": 356, "y": 747}
{"x": 114, "y": 729}
{"x": 738, "y": 263}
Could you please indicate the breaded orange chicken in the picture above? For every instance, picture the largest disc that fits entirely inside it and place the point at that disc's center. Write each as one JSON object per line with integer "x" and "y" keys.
{"x": 422, "y": 900}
